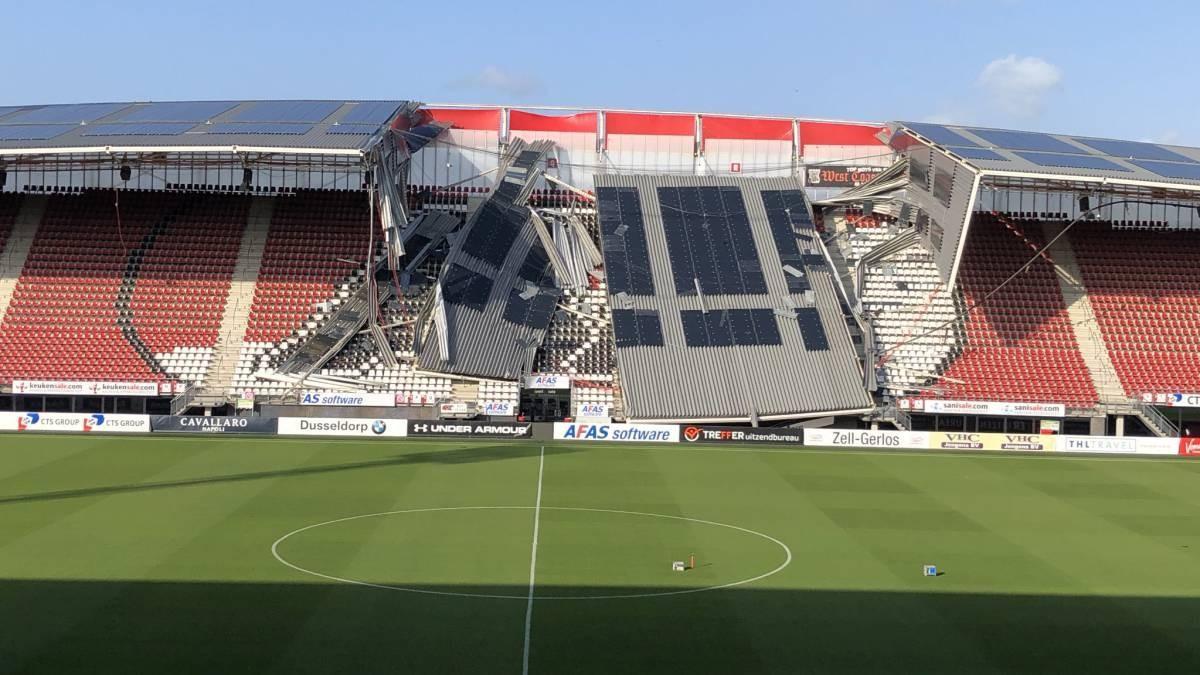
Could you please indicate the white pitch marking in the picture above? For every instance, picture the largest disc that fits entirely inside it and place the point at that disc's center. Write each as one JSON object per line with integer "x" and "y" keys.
{"x": 537, "y": 516}
{"x": 624, "y": 596}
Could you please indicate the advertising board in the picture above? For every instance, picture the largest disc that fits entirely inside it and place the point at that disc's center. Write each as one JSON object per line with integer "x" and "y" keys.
{"x": 996, "y": 442}
{"x": 1002, "y": 408}
{"x": 839, "y": 175}
{"x": 82, "y": 388}
{"x": 498, "y": 408}
{"x": 476, "y": 429}
{"x": 196, "y": 424}
{"x": 627, "y": 433}
{"x": 547, "y": 382}
{"x": 75, "y": 422}
{"x": 693, "y": 433}
{"x": 334, "y": 398}
{"x": 342, "y": 426}
{"x": 865, "y": 438}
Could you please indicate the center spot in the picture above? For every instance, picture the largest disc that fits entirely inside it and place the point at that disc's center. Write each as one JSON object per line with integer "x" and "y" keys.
{"x": 484, "y": 552}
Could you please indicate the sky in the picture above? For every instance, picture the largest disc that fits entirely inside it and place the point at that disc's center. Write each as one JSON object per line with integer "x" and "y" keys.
{"x": 1111, "y": 68}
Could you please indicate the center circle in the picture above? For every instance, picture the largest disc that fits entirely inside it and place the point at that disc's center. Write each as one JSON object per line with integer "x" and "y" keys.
{"x": 582, "y": 553}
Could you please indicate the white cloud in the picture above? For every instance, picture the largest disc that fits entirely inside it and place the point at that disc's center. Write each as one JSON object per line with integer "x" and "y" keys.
{"x": 1019, "y": 86}
{"x": 497, "y": 80}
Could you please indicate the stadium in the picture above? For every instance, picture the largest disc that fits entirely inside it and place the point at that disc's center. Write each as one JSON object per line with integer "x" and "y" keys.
{"x": 347, "y": 385}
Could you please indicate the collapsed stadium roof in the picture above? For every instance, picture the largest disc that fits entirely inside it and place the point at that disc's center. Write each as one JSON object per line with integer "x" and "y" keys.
{"x": 724, "y": 307}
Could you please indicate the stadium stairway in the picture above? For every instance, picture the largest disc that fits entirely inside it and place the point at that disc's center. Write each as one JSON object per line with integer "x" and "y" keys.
{"x": 15, "y": 250}
{"x": 1083, "y": 319}
{"x": 237, "y": 306}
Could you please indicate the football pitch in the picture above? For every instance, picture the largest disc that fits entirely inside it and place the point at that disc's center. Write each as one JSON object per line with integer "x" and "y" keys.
{"x": 265, "y": 555}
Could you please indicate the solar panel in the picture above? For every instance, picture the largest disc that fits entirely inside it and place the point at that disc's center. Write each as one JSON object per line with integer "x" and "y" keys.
{"x": 177, "y": 111}
{"x": 533, "y": 268}
{"x": 286, "y": 111}
{"x": 461, "y": 286}
{"x": 812, "y": 332}
{"x": 140, "y": 129}
{"x": 371, "y": 112}
{"x": 941, "y": 135}
{"x": 9, "y": 109}
{"x": 1023, "y": 140}
{"x": 73, "y": 113}
{"x": 421, "y": 135}
{"x": 786, "y": 213}
{"x": 637, "y": 328}
{"x": 1071, "y": 161}
{"x": 493, "y": 234}
{"x": 352, "y": 129}
{"x": 33, "y": 132}
{"x": 978, "y": 153}
{"x": 258, "y": 128}
{"x": 623, "y": 238}
{"x": 534, "y": 312}
{"x": 730, "y": 327}
{"x": 709, "y": 240}
{"x": 1166, "y": 169}
{"x": 1134, "y": 150}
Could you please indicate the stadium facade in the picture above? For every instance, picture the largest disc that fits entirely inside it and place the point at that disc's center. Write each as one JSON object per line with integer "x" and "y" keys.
{"x": 414, "y": 261}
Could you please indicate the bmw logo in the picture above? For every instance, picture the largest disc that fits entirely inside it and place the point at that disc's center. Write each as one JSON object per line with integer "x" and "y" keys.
{"x": 378, "y": 427}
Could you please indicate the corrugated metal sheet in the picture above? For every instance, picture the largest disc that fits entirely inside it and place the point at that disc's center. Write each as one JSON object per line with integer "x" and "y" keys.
{"x": 483, "y": 343}
{"x": 676, "y": 382}
{"x": 196, "y": 136}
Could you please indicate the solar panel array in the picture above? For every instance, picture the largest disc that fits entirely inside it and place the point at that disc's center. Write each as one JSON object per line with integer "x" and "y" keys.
{"x": 137, "y": 129}
{"x": 1077, "y": 153}
{"x": 75, "y": 113}
{"x": 709, "y": 241}
{"x": 286, "y": 111}
{"x": 637, "y": 328}
{"x": 281, "y": 128}
{"x": 623, "y": 238}
{"x": 177, "y": 111}
{"x": 371, "y": 112}
{"x": 327, "y": 124}
{"x": 33, "y": 132}
{"x": 734, "y": 350}
{"x": 461, "y": 286}
{"x": 787, "y": 214}
{"x": 730, "y": 327}
{"x": 493, "y": 234}
{"x": 812, "y": 332}
{"x": 1071, "y": 161}
{"x": 533, "y": 311}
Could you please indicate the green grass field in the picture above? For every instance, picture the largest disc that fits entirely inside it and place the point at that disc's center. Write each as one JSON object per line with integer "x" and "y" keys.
{"x": 145, "y": 555}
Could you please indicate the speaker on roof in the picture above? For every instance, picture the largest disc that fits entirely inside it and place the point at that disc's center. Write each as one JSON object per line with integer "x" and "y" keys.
{"x": 247, "y": 178}
{"x": 126, "y": 173}
{"x": 3, "y": 178}
{"x": 1084, "y": 204}
{"x": 868, "y": 208}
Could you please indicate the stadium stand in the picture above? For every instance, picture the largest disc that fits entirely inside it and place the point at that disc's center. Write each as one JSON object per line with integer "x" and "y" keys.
{"x": 909, "y": 305}
{"x": 1145, "y": 294}
{"x": 1020, "y": 345}
{"x": 99, "y": 301}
